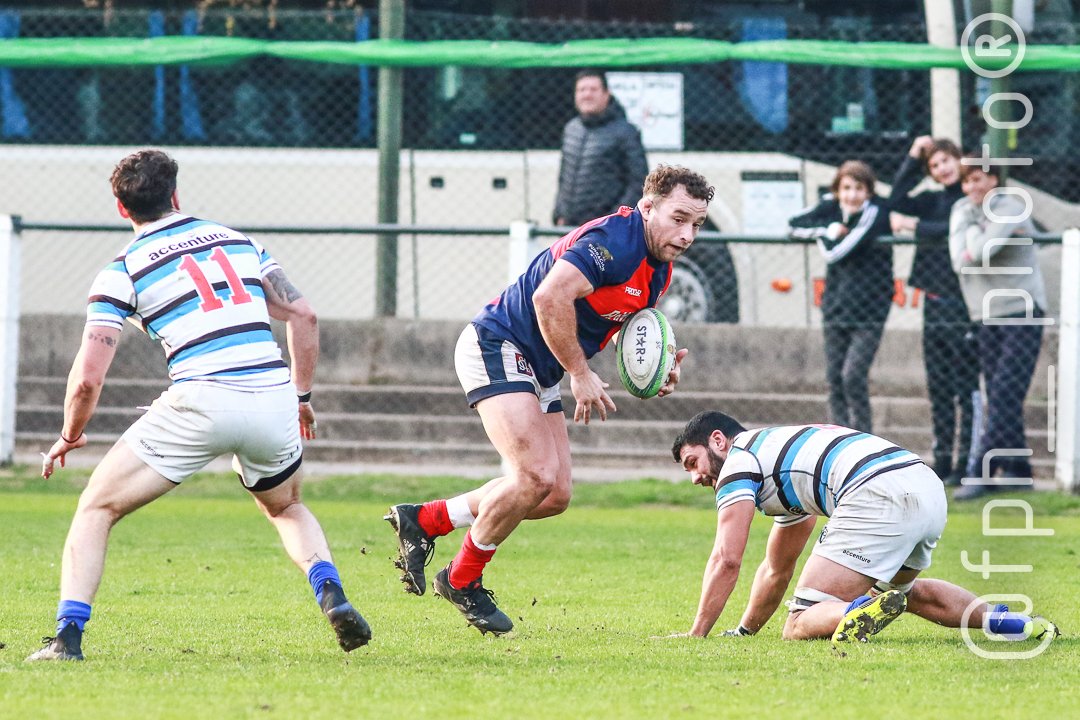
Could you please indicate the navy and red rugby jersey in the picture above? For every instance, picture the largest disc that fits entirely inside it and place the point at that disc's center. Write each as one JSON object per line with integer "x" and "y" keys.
{"x": 611, "y": 253}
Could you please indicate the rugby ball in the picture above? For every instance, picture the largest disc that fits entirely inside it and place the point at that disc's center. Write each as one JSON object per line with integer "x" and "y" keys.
{"x": 645, "y": 352}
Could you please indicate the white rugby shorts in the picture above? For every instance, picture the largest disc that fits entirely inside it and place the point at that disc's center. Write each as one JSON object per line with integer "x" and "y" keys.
{"x": 895, "y": 520}
{"x": 488, "y": 365}
{"x": 192, "y": 423}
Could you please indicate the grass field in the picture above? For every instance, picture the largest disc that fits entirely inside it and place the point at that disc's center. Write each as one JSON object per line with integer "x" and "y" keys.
{"x": 201, "y": 615}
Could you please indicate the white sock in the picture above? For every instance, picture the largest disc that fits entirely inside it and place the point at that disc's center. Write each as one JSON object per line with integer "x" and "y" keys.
{"x": 458, "y": 510}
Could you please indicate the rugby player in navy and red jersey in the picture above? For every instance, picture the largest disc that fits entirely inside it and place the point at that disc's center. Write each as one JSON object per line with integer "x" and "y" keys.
{"x": 563, "y": 310}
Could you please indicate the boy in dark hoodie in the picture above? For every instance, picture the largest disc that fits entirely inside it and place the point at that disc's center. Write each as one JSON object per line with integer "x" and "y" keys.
{"x": 949, "y": 353}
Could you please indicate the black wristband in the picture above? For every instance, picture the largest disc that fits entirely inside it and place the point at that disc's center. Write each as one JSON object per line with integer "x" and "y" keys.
{"x": 305, "y": 398}
{"x": 70, "y": 442}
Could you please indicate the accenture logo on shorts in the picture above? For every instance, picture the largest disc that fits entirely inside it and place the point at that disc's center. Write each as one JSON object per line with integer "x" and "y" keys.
{"x": 150, "y": 449}
{"x": 857, "y": 556}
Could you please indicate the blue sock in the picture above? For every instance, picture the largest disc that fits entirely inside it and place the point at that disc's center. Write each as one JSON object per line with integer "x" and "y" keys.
{"x": 1003, "y": 622}
{"x": 71, "y": 611}
{"x": 319, "y": 573}
{"x": 856, "y": 603}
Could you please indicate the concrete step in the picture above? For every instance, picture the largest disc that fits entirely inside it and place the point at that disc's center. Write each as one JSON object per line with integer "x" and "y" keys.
{"x": 345, "y": 435}
{"x": 442, "y": 400}
{"x": 330, "y": 457}
{"x": 431, "y": 426}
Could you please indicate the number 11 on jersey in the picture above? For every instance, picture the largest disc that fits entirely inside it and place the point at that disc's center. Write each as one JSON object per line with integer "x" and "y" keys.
{"x": 210, "y": 300}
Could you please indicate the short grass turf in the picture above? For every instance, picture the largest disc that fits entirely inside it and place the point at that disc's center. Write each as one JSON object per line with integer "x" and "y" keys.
{"x": 201, "y": 615}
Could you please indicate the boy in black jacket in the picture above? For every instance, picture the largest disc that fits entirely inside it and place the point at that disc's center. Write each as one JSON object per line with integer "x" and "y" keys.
{"x": 858, "y": 286}
{"x": 952, "y": 365}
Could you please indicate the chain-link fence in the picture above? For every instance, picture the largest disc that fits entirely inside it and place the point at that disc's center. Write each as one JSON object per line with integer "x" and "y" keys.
{"x": 277, "y": 143}
{"x": 766, "y": 134}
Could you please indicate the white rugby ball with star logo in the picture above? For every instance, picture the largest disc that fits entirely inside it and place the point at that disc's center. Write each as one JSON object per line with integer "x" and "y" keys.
{"x": 645, "y": 352}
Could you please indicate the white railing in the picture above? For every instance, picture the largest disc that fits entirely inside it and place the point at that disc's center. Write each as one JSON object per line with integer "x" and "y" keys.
{"x": 10, "y": 272}
{"x": 1067, "y": 430}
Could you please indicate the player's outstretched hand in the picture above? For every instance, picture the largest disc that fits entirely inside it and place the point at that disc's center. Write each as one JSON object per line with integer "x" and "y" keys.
{"x": 590, "y": 390}
{"x": 307, "y": 421}
{"x": 673, "y": 376}
{"x": 59, "y": 451}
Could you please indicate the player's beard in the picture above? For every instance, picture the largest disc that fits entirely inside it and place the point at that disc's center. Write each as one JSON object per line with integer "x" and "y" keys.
{"x": 716, "y": 463}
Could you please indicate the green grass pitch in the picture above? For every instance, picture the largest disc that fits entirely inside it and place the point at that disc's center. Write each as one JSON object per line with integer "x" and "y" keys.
{"x": 201, "y": 615}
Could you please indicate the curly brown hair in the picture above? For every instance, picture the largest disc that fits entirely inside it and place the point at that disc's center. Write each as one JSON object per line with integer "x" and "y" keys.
{"x": 144, "y": 182}
{"x": 665, "y": 178}
{"x": 858, "y": 171}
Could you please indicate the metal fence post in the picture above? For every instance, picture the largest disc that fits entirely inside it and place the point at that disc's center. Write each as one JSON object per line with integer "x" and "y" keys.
{"x": 999, "y": 137}
{"x": 944, "y": 82}
{"x": 10, "y": 270}
{"x": 391, "y": 26}
{"x": 1068, "y": 389}
{"x": 523, "y": 248}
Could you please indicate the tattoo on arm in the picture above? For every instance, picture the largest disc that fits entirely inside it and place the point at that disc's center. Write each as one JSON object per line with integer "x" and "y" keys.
{"x": 103, "y": 339}
{"x": 284, "y": 289}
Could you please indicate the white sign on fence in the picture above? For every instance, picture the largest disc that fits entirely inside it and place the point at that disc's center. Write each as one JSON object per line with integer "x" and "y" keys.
{"x": 768, "y": 200}
{"x": 653, "y": 102}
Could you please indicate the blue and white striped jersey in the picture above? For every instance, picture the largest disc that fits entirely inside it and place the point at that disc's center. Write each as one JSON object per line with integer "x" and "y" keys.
{"x": 796, "y": 471}
{"x": 196, "y": 287}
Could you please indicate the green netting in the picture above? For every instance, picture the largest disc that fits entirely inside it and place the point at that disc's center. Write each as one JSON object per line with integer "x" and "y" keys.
{"x": 103, "y": 52}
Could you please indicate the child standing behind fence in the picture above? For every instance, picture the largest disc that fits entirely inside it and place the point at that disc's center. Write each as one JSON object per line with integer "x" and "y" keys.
{"x": 949, "y": 346}
{"x": 858, "y": 286}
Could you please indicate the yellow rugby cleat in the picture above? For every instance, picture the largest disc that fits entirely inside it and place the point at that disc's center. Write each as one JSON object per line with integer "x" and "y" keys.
{"x": 870, "y": 618}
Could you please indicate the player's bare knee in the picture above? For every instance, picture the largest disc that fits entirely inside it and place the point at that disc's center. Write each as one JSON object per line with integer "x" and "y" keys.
{"x": 558, "y": 500}
{"x": 276, "y": 510}
{"x": 792, "y": 630}
{"x": 275, "y": 503}
{"x": 101, "y": 507}
{"x": 538, "y": 481}
{"x": 98, "y": 514}
{"x": 803, "y": 599}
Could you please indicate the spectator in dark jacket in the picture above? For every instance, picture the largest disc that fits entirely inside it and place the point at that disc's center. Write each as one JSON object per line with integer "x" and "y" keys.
{"x": 949, "y": 353}
{"x": 603, "y": 162}
{"x": 858, "y": 286}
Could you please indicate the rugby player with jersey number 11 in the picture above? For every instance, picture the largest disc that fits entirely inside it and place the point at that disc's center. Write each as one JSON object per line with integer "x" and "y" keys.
{"x": 207, "y": 293}
{"x": 564, "y": 309}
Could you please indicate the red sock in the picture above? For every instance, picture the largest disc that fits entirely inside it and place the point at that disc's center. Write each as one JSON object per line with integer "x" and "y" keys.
{"x": 469, "y": 563}
{"x": 434, "y": 520}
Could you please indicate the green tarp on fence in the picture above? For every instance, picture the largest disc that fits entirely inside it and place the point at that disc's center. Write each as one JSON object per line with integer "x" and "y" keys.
{"x": 89, "y": 52}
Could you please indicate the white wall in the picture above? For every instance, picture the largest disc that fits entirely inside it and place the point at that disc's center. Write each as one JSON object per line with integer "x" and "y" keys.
{"x": 439, "y": 277}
